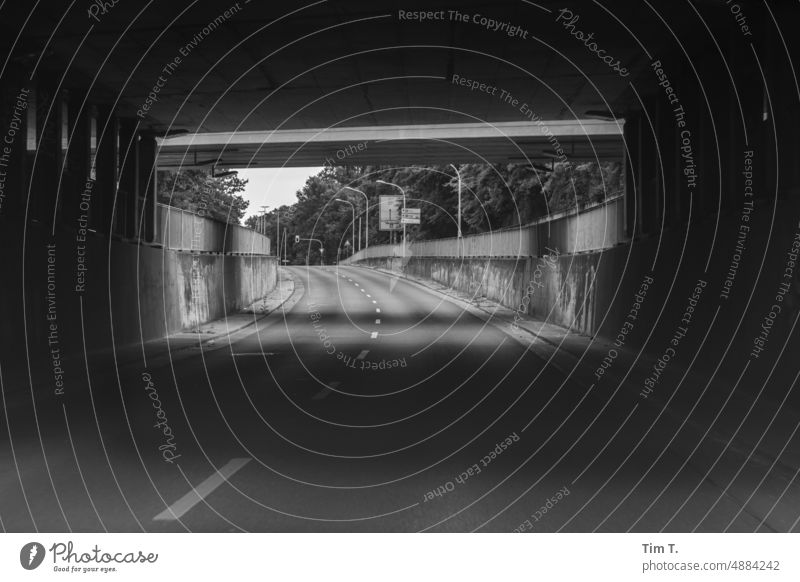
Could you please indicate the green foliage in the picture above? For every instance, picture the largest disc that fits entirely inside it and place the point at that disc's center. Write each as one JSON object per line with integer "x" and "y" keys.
{"x": 193, "y": 189}
{"x": 497, "y": 196}
{"x": 571, "y": 186}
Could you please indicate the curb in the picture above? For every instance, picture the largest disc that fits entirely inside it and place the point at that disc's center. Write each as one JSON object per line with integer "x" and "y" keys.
{"x": 474, "y": 310}
{"x": 297, "y": 291}
{"x": 738, "y": 445}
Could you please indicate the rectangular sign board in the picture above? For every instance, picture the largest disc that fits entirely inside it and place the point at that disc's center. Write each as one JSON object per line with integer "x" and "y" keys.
{"x": 390, "y": 208}
{"x": 410, "y": 216}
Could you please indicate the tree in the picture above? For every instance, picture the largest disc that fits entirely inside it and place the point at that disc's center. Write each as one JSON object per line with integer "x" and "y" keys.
{"x": 196, "y": 191}
{"x": 572, "y": 185}
{"x": 493, "y": 197}
{"x": 500, "y": 195}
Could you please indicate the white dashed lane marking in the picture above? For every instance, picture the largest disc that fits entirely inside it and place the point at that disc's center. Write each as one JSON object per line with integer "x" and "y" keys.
{"x": 326, "y": 391}
{"x": 374, "y": 335}
{"x": 377, "y": 310}
{"x": 378, "y": 321}
{"x": 197, "y": 494}
{"x": 362, "y": 355}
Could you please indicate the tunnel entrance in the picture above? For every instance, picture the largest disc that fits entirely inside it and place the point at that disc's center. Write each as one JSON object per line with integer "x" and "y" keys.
{"x": 514, "y": 266}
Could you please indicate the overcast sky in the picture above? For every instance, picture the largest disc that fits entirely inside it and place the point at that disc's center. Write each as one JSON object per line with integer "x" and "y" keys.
{"x": 273, "y": 186}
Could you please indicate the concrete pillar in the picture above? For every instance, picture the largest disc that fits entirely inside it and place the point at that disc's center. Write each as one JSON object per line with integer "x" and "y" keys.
{"x": 631, "y": 169}
{"x": 649, "y": 144}
{"x": 780, "y": 110}
{"x": 669, "y": 202}
{"x": 146, "y": 187}
{"x": 14, "y": 97}
{"x": 42, "y": 150}
{"x": 78, "y": 158}
{"x": 704, "y": 144}
{"x": 125, "y": 211}
{"x": 105, "y": 171}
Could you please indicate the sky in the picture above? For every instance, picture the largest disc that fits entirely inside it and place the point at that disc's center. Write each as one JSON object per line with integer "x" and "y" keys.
{"x": 273, "y": 186}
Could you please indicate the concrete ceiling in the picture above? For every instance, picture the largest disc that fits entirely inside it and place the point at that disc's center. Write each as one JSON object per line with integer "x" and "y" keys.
{"x": 270, "y": 65}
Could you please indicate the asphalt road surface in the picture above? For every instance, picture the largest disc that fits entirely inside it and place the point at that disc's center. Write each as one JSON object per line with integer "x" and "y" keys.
{"x": 370, "y": 405}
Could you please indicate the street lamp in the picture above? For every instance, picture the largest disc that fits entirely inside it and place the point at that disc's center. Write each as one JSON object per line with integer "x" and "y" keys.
{"x": 366, "y": 229}
{"x": 459, "y": 198}
{"x": 404, "y": 210}
{"x": 262, "y": 221}
{"x": 353, "y": 207}
{"x": 278, "y": 233}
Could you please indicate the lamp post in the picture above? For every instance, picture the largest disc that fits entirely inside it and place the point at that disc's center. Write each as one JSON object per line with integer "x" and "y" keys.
{"x": 404, "y": 211}
{"x": 262, "y": 221}
{"x": 366, "y": 218}
{"x": 297, "y": 239}
{"x": 459, "y": 198}
{"x": 353, "y": 207}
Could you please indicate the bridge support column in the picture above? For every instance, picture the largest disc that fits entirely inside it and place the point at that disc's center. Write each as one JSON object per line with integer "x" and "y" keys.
{"x": 105, "y": 171}
{"x": 631, "y": 157}
{"x": 136, "y": 195}
{"x": 126, "y": 202}
{"x": 146, "y": 187}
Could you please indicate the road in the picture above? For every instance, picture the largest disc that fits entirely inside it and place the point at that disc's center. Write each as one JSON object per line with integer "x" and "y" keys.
{"x": 370, "y": 405}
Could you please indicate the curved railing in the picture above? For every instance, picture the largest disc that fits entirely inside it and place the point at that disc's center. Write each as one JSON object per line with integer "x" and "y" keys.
{"x": 182, "y": 230}
{"x": 594, "y": 227}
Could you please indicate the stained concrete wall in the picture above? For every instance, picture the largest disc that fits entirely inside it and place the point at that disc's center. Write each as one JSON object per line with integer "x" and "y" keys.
{"x": 741, "y": 270}
{"x": 98, "y": 292}
{"x": 593, "y": 293}
{"x": 501, "y": 280}
{"x": 181, "y": 290}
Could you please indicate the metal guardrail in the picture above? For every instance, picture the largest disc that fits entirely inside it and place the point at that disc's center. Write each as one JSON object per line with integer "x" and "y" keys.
{"x": 182, "y": 230}
{"x": 590, "y": 228}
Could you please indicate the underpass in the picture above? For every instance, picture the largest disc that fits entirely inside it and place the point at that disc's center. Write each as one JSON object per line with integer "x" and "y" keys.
{"x": 557, "y": 375}
{"x": 432, "y": 419}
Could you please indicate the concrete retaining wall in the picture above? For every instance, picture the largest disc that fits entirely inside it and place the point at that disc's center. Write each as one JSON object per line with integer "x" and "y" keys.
{"x": 127, "y": 293}
{"x": 646, "y": 288}
{"x": 501, "y": 280}
{"x": 181, "y": 290}
{"x": 594, "y": 292}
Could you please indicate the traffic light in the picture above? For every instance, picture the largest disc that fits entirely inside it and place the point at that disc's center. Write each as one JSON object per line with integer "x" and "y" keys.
{"x": 296, "y": 238}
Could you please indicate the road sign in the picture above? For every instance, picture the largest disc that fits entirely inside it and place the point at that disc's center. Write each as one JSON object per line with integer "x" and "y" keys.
{"x": 389, "y": 212}
{"x": 410, "y": 216}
